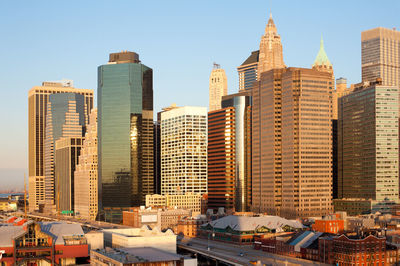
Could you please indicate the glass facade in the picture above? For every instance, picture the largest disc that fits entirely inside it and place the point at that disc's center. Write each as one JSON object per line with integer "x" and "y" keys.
{"x": 368, "y": 144}
{"x": 66, "y": 117}
{"x": 125, "y": 107}
{"x": 241, "y": 102}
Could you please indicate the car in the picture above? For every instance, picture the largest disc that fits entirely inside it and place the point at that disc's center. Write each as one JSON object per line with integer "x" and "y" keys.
{"x": 189, "y": 244}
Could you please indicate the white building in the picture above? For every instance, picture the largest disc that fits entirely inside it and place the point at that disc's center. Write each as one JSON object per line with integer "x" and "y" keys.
{"x": 140, "y": 238}
{"x": 86, "y": 191}
{"x": 187, "y": 201}
{"x": 184, "y": 150}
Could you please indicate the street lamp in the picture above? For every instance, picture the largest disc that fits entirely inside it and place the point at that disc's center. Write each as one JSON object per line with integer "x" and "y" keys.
{"x": 208, "y": 240}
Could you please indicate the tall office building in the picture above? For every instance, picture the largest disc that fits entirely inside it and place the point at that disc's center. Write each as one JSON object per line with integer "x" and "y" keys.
{"x": 270, "y": 55}
{"x": 157, "y": 149}
{"x": 292, "y": 143}
{"x": 125, "y": 132}
{"x": 218, "y": 87}
{"x": 248, "y": 72}
{"x": 184, "y": 150}
{"x": 368, "y": 143}
{"x": 229, "y": 154}
{"x": 380, "y": 56}
{"x": 221, "y": 159}
{"x": 67, "y": 151}
{"x": 38, "y": 98}
{"x": 86, "y": 181}
{"x": 66, "y": 117}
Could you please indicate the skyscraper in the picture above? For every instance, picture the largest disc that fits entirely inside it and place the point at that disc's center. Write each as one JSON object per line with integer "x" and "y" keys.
{"x": 37, "y": 111}
{"x": 67, "y": 151}
{"x": 86, "y": 173}
{"x": 292, "y": 143}
{"x": 218, "y": 87}
{"x": 221, "y": 159}
{"x": 248, "y": 72}
{"x": 184, "y": 150}
{"x": 229, "y": 154}
{"x": 66, "y": 117}
{"x": 125, "y": 132}
{"x": 380, "y": 56}
{"x": 368, "y": 143}
{"x": 270, "y": 55}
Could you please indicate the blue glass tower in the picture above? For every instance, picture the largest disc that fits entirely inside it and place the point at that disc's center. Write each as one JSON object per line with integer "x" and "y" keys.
{"x": 125, "y": 131}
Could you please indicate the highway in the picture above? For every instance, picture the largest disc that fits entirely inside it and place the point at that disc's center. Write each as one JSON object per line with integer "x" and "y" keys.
{"x": 231, "y": 253}
{"x": 90, "y": 225}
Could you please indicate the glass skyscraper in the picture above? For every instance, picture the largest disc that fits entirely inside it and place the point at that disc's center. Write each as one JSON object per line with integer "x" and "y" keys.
{"x": 125, "y": 131}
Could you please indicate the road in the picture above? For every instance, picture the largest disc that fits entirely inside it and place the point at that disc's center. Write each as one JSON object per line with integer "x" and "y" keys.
{"x": 94, "y": 225}
{"x": 232, "y": 252}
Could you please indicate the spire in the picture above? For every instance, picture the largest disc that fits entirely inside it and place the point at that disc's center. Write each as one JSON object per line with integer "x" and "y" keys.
{"x": 270, "y": 21}
{"x": 322, "y": 59}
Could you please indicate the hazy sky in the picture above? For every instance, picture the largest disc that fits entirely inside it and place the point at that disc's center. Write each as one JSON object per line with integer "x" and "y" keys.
{"x": 180, "y": 40}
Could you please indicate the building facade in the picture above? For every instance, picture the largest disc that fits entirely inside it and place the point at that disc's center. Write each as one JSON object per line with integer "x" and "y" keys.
{"x": 184, "y": 150}
{"x": 86, "y": 173}
{"x": 380, "y": 56}
{"x": 125, "y": 131}
{"x": 229, "y": 154}
{"x": 66, "y": 117}
{"x": 270, "y": 55}
{"x": 67, "y": 151}
{"x": 292, "y": 143}
{"x": 218, "y": 87}
{"x": 247, "y": 72}
{"x": 368, "y": 143}
{"x": 187, "y": 201}
{"x": 42, "y": 244}
{"x": 38, "y": 98}
{"x": 221, "y": 159}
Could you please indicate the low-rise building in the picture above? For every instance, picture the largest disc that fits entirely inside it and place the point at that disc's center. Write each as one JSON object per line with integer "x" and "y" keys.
{"x": 7, "y": 204}
{"x": 134, "y": 256}
{"x": 189, "y": 226}
{"x": 163, "y": 218}
{"x": 243, "y": 229}
{"x": 33, "y": 243}
{"x": 329, "y": 225}
{"x": 187, "y": 201}
{"x": 140, "y": 237}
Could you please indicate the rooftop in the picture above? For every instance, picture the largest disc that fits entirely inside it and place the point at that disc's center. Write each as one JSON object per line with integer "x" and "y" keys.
{"x": 135, "y": 255}
{"x": 246, "y": 223}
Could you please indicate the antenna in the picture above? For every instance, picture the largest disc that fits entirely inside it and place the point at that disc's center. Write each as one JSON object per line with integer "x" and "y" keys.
{"x": 25, "y": 195}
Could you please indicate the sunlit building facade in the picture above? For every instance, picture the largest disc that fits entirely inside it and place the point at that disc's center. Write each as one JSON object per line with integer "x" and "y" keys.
{"x": 38, "y": 98}
{"x": 368, "y": 143}
{"x": 292, "y": 143}
{"x": 86, "y": 173}
{"x": 125, "y": 131}
{"x": 380, "y": 56}
{"x": 248, "y": 72}
{"x": 67, "y": 151}
{"x": 66, "y": 117}
{"x": 218, "y": 87}
{"x": 229, "y": 154}
{"x": 184, "y": 150}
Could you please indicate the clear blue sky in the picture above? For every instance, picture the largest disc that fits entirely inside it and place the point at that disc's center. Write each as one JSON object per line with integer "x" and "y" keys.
{"x": 51, "y": 40}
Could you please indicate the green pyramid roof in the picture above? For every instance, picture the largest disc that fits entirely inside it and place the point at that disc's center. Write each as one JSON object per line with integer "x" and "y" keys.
{"x": 322, "y": 58}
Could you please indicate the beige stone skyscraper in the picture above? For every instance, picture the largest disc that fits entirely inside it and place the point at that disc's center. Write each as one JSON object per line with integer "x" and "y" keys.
{"x": 292, "y": 148}
{"x": 38, "y": 97}
{"x": 86, "y": 192}
{"x": 270, "y": 55}
{"x": 380, "y": 56}
{"x": 218, "y": 87}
